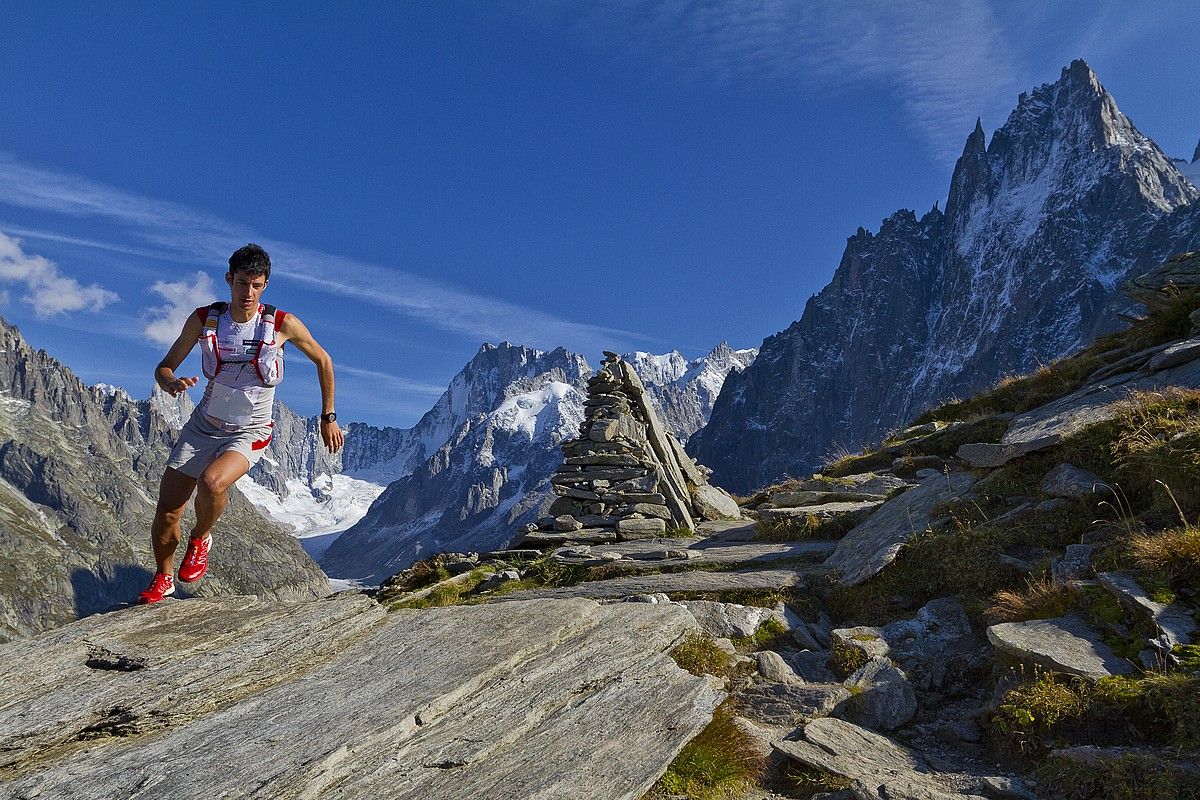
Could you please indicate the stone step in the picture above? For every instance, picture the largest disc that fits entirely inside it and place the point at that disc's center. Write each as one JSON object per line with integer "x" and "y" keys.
{"x": 823, "y": 512}
{"x": 808, "y": 498}
{"x": 669, "y": 583}
{"x": 715, "y": 551}
{"x": 556, "y": 538}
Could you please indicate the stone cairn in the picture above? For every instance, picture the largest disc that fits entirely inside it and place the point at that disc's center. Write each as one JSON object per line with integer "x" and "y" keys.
{"x": 626, "y": 476}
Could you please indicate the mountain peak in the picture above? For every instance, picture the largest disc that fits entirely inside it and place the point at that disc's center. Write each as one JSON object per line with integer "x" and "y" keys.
{"x": 1196, "y": 155}
{"x": 722, "y": 349}
{"x": 1080, "y": 74}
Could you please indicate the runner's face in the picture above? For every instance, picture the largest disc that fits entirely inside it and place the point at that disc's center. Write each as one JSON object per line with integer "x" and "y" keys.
{"x": 247, "y": 289}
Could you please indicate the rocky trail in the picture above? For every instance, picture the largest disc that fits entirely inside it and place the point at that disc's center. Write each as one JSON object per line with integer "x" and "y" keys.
{"x": 847, "y": 629}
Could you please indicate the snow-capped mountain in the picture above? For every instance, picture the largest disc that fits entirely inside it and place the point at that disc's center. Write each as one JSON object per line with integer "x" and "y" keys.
{"x": 491, "y": 472}
{"x": 683, "y": 392}
{"x": 1040, "y": 225}
{"x": 473, "y": 468}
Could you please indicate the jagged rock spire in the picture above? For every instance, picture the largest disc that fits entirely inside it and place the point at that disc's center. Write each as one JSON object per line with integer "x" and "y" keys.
{"x": 970, "y": 173}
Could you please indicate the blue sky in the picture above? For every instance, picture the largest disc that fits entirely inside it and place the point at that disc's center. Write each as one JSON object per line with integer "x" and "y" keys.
{"x": 432, "y": 175}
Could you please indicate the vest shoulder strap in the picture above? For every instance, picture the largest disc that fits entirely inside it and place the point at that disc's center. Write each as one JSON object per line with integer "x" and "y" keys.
{"x": 273, "y": 314}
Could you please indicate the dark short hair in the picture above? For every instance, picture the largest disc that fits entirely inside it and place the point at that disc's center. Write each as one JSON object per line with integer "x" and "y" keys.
{"x": 251, "y": 259}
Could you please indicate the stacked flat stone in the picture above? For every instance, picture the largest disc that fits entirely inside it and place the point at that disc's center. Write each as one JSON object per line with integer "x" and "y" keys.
{"x": 626, "y": 476}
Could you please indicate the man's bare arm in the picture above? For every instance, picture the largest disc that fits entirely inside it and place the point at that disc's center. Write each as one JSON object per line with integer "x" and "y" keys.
{"x": 164, "y": 373}
{"x": 294, "y": 331}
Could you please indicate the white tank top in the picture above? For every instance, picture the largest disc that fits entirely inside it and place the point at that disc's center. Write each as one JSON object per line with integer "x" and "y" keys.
{"x": 236, "y": 398}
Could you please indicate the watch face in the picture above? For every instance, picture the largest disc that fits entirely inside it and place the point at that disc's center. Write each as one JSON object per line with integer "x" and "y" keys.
{"x": 330, "y": 417}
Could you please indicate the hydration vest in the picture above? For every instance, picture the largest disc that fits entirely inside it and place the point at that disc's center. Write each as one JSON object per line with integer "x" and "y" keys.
{"x": 268, "y": 357}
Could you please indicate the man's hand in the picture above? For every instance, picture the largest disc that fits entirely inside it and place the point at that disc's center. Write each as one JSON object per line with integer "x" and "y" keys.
{"x": 180, "y": 385}
{"x": 332, "y": 436}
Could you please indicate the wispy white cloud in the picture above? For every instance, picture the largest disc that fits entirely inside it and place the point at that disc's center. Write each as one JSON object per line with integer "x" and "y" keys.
{"x": 180, "y": 298}
{"x": 394, "y": 382}
{"x": 197, "y": 237}
{"x": 947, "y": 61}
{"x": 89, "y": 244}
{"x": 47, "y": 290}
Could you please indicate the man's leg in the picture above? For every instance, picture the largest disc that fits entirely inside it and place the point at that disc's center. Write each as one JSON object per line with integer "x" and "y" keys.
{"x": 173, "y": 494}
{"x": 213, "y": 490}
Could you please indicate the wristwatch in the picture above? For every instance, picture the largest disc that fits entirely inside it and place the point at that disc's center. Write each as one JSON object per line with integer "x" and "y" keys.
{"x": 330, "y": 417}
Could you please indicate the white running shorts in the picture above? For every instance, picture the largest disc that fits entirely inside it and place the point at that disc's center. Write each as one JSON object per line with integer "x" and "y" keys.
{"x": 200, "y": 443}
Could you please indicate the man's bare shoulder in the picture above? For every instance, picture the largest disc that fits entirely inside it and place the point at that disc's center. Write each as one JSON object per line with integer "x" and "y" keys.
{"x": 291, "y": 328}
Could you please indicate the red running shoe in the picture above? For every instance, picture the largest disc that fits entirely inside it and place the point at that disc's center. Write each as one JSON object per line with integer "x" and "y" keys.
{"x": 162, "y": 586}
{"x": 195, "y": 560}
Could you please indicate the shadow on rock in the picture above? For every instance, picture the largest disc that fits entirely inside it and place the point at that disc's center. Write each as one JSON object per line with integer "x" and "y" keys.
{"x": 114, "y": 587}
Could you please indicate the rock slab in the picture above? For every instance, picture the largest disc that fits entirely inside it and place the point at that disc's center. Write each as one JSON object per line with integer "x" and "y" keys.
{"x": 727, "y": 620}
{"x": 231, "y": 698}
{"x": 675, "y": 582}
{"x": 873, "y": 545}
{"x": 1071, "y": 482}
{"x": 880, "y": 768}
{"x": 1064, "y": 644}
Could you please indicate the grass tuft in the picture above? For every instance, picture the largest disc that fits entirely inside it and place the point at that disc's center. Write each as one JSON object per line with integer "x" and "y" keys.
{"x": 807, "y": 527}
{"x": 807, "y": 782}
{"x": 1041, "y": 599}
{"x": 845, "y": 660}
{"x": 1173, "y": 555}
{"x": 1159, "y": 447}
{"x": 450, "y": 595}
{"x": 700, "y": 655}
{"x": 722, "y": 762}
{"x": 770, "y": 633}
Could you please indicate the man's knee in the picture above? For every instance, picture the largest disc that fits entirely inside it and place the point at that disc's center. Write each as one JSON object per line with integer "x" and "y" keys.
{"x": 213, "y": 484}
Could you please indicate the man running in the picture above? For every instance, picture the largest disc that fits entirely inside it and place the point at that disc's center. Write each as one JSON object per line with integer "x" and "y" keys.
{"x": 242, "y": 355}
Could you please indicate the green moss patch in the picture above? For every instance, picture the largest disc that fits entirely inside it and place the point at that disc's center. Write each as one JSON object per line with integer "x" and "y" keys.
{"x": 1131, "y": 776}
{"x": 1055, "y": 711}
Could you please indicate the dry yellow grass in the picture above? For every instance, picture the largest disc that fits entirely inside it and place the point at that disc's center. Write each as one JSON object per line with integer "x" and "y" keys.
{"x": 1041, "y": 599}
{"x": 1174, "y": 554}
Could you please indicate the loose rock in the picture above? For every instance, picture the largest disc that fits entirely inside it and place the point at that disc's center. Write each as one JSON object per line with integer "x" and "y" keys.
{"x": 1073, "y": 483}
{"x": 1075, "y": 564}
{"x": 880, "y": 768}
{"x": 883, "y": 698}
{"x": 727, "y": 619}
{"x": 773, "y": 668}
{"x": 786, "y": 705}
